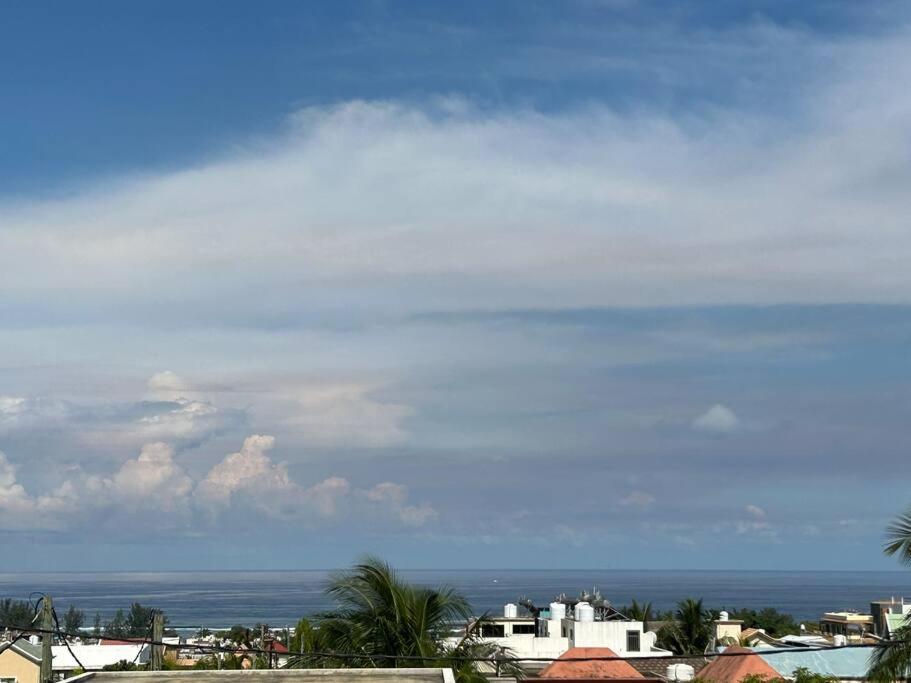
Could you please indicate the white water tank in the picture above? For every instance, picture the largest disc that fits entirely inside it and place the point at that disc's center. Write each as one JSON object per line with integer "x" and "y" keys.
{"x": 680, "y": 672}
{"x": 510, "y": 611}
{"x": 839, "y": 640}
{"x": 585, "y": 612}
{"x": 723, "y": 616}
{"x": 34, "y": 640}
{"x": 557, "y": 610}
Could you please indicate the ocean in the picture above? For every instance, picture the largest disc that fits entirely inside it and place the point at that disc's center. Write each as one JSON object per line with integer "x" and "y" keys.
{"x": 280, "y": 598}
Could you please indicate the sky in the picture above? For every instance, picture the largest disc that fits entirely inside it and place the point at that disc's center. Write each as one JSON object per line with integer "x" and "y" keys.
{"x": 588, "y": 284}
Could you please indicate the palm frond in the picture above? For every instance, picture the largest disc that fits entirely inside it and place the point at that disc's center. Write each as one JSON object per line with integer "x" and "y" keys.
{"x": 891, "y": 660}
{"x": 898, "y": 538}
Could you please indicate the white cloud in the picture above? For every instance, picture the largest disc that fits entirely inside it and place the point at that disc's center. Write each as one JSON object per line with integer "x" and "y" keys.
{"x": 462, "y": 207}
{"x": 345, "y": 414}
{"x": 719, "y": 419}
{"x": 755, "y": 511}
{"x": 152, "y": 480}
{"x": 394, "y": 497}
{"x": 638, "y": 499}
{"x": 167, "y": 385}
{"x": 249, "y": 469}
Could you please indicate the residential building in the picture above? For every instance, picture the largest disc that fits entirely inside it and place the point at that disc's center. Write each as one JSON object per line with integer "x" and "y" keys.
{"x": 564, "y": 626}
{"x": 67, "y": 660}
{"x": 728, "y": 630}
{"x": 729, "y": 668}
{"x": 844, "y": 663}
{"x": 851, "y": 625}
{"x": 20, "y": 662}
{"x": 581, "y": 663}
{"x": 888, "y": 615}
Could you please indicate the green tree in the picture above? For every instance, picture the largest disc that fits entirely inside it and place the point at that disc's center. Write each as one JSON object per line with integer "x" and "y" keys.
{"x": 73, "y": 620}
{"x": 770, "y": 620}
{"x": 691, "y": 631}
{"x": 639, "y": 612}
{"x": 117, "y": 626}
{"x": 15, "y": 613}
{"x": 891, "y": 661}
{"x": 382, "y": 621}
{"x": 96, "y": 625}
{"x": 306, "y": 638}
{"x": 139, "y": 621}
{"x": 804, "y": 675}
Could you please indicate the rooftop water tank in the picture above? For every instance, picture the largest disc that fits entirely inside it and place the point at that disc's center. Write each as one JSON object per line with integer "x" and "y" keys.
{"x": 34, "y": 640}
{"x": 680, "y": 672}
{"x": 585, "y": 612}
{"x": 723, "y": 616}
{"x": 510, "y": 611}
{"x": 840, "y": 640}
{"x": 557, "y": 610}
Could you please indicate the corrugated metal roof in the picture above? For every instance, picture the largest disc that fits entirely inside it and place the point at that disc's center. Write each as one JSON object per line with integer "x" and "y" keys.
{"x": 841, "y": 662}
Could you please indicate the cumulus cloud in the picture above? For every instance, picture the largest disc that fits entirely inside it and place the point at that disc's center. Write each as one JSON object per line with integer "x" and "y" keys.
{"x": 26, "y": 412}
{"x": 718, "y": 419}
{"x": 153, "y": 480}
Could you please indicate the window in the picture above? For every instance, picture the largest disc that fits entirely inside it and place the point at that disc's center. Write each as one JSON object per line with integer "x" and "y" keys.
{"x": 7, "y": 680}
{"x": 519, "y": 629}
{"x": 492, "y": 631}
{"x": 632, "y": 641}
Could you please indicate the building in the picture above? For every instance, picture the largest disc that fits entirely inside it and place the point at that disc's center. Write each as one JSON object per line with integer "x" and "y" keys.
{"x": 578, "y": 663}
{"x": 843, "y": 663}
{"x": 888, "y": 615}
{"x": 20, "y": 662}
{"x": 851, "y": 625}
{"x": 735, "y": 664}
{"x": 563, "y": 626}
{"x": 95, "y": 657}
{"x": 728, "y": 630}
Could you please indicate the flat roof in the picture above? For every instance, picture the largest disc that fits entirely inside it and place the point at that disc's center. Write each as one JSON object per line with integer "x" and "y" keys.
{"x": 268, "y": 675}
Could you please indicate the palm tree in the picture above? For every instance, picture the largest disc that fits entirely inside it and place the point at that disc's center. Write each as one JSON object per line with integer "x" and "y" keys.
{"x": 891, "y": 661}
{"x": 691, "y": 631}
{"x": 639, "y": 612}
{"x": 383, "y": 621}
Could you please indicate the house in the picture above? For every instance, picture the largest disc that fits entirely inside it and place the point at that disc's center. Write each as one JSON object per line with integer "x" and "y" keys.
{"x": 278, "y": 652}
{"x": 843, "y": 663}
{"x": 20, "y": 662}
{"x": 888, "y": 615}
{"x": 852, "y": 625}
{"x": 734, "y": 664}
{"x": 95, "y": 657}
{"x": 564, "y": 626}
{"x": 727, "y": 630}
{"x": 578, "y": 663}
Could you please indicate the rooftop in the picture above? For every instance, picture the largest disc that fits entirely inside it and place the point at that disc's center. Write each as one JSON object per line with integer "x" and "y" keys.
{"x": 270, "y": 676}
{"x": 565, "y": 667}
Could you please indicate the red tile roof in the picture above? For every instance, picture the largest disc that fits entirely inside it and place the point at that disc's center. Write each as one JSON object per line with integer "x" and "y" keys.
{"x": 731, "y": 669}
{"x": 565, "y": 667}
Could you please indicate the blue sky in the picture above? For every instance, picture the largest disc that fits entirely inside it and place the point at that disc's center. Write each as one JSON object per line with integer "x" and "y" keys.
{"x": 582, "y": 284}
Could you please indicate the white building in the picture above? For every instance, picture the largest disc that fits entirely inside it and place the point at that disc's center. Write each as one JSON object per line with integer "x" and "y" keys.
{"x": 96, "y": 657}
{"x": 555, "y": 632}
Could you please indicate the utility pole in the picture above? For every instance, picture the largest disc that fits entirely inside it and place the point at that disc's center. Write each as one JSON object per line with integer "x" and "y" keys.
{"x": 157, "y": 636}
{"x": 47, "y": 639}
